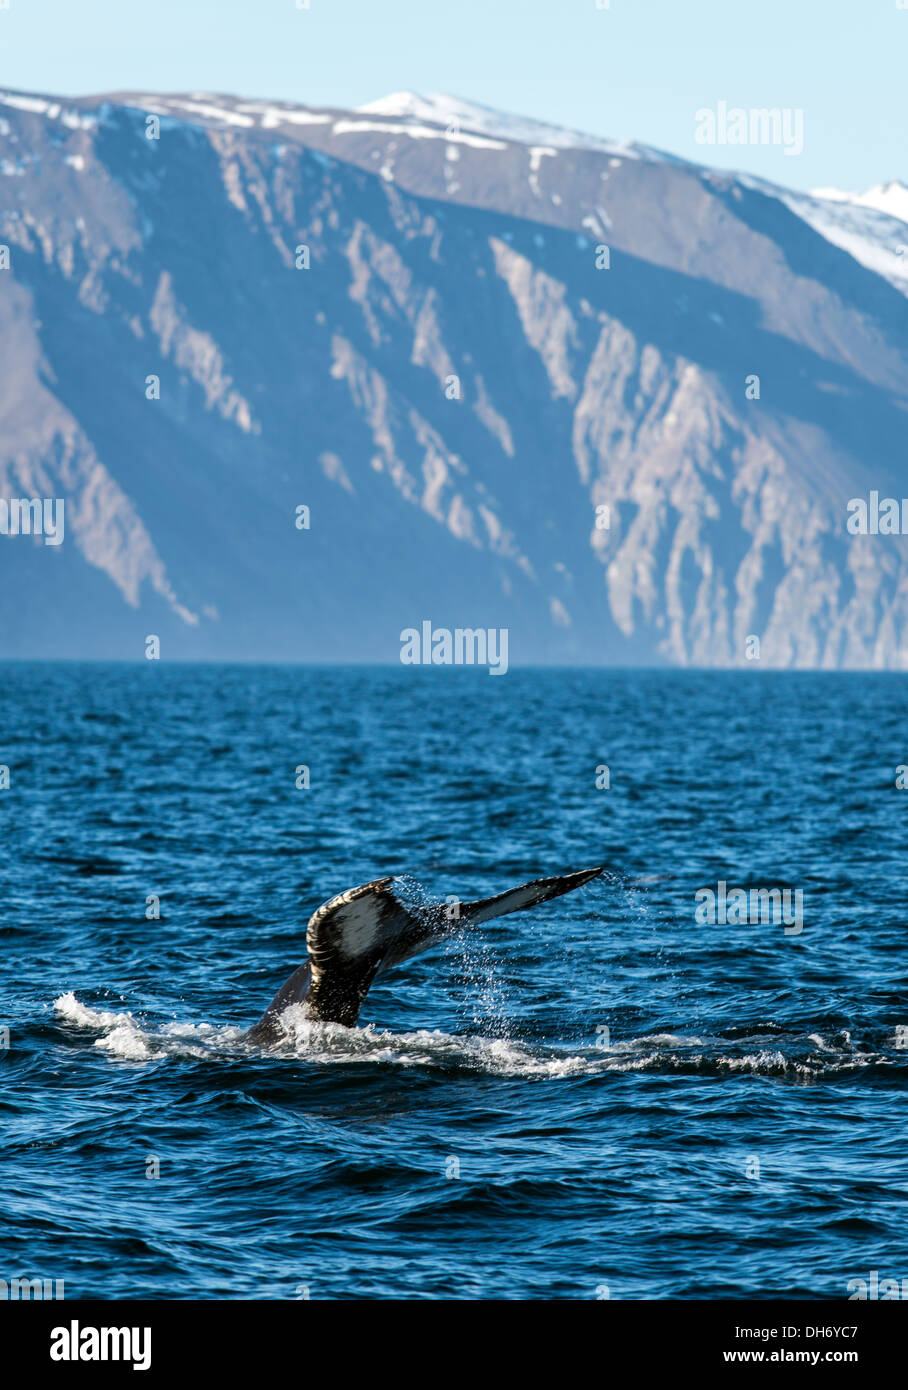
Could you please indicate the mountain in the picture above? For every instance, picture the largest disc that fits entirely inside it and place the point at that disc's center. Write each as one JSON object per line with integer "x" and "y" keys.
{"x": 506, "y": 332}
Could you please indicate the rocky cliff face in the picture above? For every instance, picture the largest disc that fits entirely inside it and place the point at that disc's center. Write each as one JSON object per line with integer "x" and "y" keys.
{"x": 611, "y": 401}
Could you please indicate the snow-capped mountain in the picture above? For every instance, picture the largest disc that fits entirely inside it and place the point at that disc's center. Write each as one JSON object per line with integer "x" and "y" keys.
{"x": 872, "y": 227}
{"x": 519, "y": 376}
{"x": 890, "y": 198}
{"x": 454, "y": 115}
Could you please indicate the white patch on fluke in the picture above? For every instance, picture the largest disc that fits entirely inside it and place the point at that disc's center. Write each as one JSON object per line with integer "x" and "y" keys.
{"x": 360, "y": 925}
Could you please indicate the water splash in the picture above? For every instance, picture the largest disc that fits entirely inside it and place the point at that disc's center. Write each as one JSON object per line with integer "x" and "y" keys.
{"x": 799, "y": 1058}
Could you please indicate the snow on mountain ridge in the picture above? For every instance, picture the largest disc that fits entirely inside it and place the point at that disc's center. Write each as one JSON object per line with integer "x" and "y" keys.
{"x": 872, "y": 226}
{"x": 726, "y": 518}
{"x": 865, "y": 225}
{"x": 440, "y": 108}
{"x": 890, "y": 198}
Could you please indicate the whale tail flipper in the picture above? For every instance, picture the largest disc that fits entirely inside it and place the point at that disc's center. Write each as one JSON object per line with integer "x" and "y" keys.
{"x": 367, "y": 930}
{"x": 349, "y": 939}
{"x": 541, "y": 890}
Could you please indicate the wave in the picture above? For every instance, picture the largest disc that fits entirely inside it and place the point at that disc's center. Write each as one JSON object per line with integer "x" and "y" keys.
{"x": 805, "y": 1056}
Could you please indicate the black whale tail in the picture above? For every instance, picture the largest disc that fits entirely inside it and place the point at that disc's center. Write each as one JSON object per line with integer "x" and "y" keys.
{"x": 541, "y": 890}
{"x": 367, "y": 930}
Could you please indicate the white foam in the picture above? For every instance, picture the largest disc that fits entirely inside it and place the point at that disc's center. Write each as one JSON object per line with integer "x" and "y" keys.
{"x": 325, "y": 1044}
{"x": 124, "y": 1037}
{"x": 125, "y": 1041}
{"x": 70, "y": 1008}
{"x": 330, "y": 1045}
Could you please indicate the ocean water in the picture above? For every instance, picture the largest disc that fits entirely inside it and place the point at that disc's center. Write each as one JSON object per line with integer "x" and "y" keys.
{"x": 738, "y": 1131}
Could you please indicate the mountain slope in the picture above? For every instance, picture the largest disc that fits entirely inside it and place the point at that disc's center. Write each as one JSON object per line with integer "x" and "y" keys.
{"x": 444, "y": 241}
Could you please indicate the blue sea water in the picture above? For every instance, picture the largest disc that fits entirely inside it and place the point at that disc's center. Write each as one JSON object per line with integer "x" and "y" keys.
{"x": 741, "y": 1135}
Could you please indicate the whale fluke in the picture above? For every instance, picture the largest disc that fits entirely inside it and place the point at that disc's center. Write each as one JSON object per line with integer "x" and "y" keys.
{"x": 367, "y": 930}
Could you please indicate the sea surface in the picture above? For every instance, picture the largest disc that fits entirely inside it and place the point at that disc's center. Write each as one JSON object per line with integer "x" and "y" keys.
{"x": 600, "y": 1097}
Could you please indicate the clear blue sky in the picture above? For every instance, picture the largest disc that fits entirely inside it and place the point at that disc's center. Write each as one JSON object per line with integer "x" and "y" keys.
{"x": 639, "y": 70}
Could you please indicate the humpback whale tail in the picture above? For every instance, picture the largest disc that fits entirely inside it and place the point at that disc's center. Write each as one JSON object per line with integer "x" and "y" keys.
{"x": 541, "y": 890}
{"x": 367, "y": 930}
